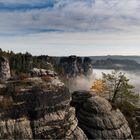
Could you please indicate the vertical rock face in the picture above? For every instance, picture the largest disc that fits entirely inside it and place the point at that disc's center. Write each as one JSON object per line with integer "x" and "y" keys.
{"x": 40, "y": 110}
{"x": 4, "y": 69}
{"x": 98, "y": 119}
{"x": 74, "y": 66}
{"x": 87, "y": 66}
{"x": 133, "y": 117}
{"x": 51, "y": 115}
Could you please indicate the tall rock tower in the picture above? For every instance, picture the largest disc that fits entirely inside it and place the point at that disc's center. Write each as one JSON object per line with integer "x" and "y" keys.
{"x": 74, "y": 66}
{"x": 4, "y": 68}
{"x": 87, "y": 66}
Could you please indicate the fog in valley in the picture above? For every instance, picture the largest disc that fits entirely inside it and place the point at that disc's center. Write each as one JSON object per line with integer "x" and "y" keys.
{"x": 80, "y": 83}
{"x": 84, "y": 83}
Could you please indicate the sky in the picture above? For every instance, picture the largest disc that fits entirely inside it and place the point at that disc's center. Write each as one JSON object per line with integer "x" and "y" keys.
{"x": 70, "y": 27}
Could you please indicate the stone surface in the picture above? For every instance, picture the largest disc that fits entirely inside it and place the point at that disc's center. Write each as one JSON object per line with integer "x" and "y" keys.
{"x": 15, "y": 129}
{"x": 35, "y": 72}
{"x": 98, "y": 119}
{"x": 133, "y": 118}
{"x": 40, "y": 109}
{"x": 4, "y": 68}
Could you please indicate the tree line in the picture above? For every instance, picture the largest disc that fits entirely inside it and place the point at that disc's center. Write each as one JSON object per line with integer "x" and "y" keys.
{"x": 23, "y": 62}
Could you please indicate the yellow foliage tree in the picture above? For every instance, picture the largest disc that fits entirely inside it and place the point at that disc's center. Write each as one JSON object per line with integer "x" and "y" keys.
{"x": 98, "y": 86}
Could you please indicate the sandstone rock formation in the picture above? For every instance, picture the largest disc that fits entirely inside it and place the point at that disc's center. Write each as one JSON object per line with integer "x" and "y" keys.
{"x": 98, "y": 119}
{"x": 4, "y": 68}
{"x": 73, "y": 66}
{"x": 87, "y": 66}
{"x": 39, "y": 109}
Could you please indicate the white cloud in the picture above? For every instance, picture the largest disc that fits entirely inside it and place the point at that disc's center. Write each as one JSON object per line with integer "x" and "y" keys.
{"x": 72, "y": 15}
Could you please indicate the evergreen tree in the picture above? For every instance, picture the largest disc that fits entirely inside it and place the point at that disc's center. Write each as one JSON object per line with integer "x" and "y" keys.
{"x": 119, "y": 89}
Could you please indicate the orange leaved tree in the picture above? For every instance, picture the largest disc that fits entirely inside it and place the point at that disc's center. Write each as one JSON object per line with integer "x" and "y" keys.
{"x": 99, "y": 86}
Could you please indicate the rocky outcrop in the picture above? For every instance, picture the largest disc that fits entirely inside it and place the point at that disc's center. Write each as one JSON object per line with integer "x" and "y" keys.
{"x": 39, "y": 109}
{"x": 74, "y": 66}
{"x": 98, "y": 119}
{"x": 4, "y": 68}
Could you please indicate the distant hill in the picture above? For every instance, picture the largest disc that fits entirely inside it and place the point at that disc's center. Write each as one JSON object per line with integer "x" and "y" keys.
{"x": 122, "y": 64}
{"x": 113, "y": 62}
{"x": 120, "y": 57}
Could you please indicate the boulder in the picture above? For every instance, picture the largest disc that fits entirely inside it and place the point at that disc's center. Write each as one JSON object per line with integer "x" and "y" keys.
{"x": 98, "y": 119}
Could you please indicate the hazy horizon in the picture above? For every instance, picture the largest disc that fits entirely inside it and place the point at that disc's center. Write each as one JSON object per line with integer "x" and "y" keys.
{"x": 66, "y": 55}
{"x": 105, "y": 55}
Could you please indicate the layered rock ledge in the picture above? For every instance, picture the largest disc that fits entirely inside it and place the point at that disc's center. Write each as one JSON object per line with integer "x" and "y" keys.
{"x": 38, "y": 108}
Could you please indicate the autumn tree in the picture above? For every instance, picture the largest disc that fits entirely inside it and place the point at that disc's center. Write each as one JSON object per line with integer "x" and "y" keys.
{"x": 98, "y": 86}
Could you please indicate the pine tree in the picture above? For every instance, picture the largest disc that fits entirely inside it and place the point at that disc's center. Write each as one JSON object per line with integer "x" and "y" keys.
{"x": 119, "y": 89}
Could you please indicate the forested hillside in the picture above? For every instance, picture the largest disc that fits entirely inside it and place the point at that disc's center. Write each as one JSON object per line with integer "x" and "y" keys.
{"x": 109, "y": 63}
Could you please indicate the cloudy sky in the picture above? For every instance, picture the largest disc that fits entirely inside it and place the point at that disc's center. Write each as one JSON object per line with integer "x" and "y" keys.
{"x": 65, "y": 27}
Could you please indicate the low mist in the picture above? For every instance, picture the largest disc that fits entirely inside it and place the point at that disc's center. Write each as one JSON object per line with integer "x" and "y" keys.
{"x": 80, "y": 83}
{"x": 84, "y": 83}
